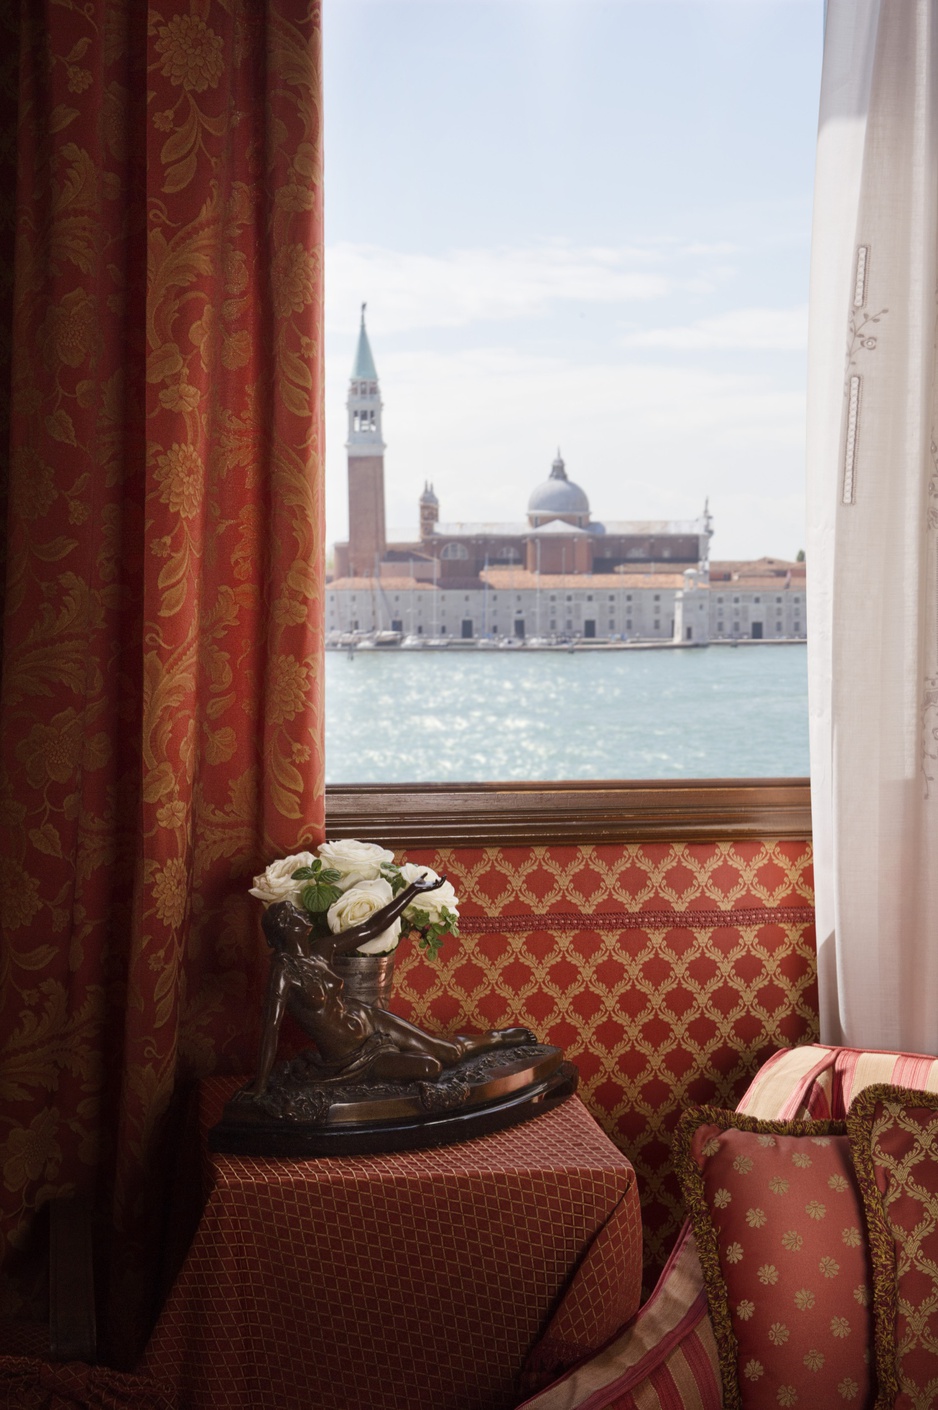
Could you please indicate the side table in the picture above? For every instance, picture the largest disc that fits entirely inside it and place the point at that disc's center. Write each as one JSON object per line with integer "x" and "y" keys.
{"x": 415, "y": 1281}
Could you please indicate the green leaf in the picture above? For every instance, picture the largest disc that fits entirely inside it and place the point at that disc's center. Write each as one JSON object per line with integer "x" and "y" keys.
{"x": 432, "y": 934}
{"x": 392, "y": 874}
{"x": 317, "y": 872}
{"x": 450, "y": 921}
{"x": 318, "y": 896}
{"x": 431, "y": 943}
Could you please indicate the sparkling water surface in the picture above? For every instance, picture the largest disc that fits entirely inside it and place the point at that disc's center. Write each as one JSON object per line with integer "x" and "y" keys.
{"x": 455, "y": 716}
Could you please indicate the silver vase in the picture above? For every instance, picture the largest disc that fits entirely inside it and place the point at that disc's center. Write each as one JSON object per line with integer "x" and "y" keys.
{"x": 367, "y": 978}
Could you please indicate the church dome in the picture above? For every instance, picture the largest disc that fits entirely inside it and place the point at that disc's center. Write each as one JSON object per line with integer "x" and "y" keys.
{"x": 558, "y": 495}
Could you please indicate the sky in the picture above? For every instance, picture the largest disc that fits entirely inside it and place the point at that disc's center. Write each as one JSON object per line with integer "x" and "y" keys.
{"x": 581, "y": 224}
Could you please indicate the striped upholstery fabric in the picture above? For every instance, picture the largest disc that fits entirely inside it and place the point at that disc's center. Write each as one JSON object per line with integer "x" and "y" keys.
{"x": 666, "y": 1358}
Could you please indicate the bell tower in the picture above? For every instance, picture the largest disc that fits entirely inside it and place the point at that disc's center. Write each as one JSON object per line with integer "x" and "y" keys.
{"x": 429, "y": 511}
{"x": 367, "y": 539}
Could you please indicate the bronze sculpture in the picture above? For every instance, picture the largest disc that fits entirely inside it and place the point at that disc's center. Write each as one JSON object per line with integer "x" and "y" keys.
{"x": 352, "y": 1038}
{"x": 374, "y": 1081}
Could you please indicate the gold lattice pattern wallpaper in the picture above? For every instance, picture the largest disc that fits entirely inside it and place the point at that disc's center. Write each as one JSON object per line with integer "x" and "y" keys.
{"x": 668, "y": 973}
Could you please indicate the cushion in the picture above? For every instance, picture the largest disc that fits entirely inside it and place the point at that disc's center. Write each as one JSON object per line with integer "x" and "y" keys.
{"x": 816, "y": 1082}
{"x": 665, "y": 1357}
{"x": 894, "y": 1138}
{"x": 779, "y": 1225}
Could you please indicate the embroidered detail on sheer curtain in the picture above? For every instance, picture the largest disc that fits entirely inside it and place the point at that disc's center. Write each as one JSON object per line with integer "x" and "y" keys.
{"x": 930, "y": 682}
{"x": 859, "y": 287}
{"x": 930, "y": 734}
{"x": 860, "y": 340}
{"x": 850, "y": 446}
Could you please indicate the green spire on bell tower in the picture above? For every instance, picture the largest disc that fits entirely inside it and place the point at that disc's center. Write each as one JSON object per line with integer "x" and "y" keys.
{"x": 364, "y": 401}
{"x": 364, "y": 367}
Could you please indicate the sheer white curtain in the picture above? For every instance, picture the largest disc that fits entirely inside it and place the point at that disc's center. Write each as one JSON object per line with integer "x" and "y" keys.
{"x": 873, "y": 525}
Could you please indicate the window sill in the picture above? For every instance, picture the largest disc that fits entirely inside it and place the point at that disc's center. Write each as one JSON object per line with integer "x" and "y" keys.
{"x": 530, "y": 814}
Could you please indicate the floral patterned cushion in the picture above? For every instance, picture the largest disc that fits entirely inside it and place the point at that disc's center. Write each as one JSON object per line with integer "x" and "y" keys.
{"x": 894, "y": 1138}
{"x": 780, "y": 1232}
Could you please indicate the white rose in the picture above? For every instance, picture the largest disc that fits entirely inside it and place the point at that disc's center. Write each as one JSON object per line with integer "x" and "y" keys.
{"x": 277, "y": 884}
{"x": 355, "y": 861}
{"x": 430, "y": 902}
{"x": 384, "y": 943}
{"x": 357, "y": 905}
{"x": 411, "y": 872}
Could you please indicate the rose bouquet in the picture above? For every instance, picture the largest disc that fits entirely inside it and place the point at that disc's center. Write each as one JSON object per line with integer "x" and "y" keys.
{"x": 349, "y": 881}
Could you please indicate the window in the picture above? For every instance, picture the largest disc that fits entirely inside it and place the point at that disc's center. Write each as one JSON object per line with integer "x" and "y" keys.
{"x": 503, "y": 320}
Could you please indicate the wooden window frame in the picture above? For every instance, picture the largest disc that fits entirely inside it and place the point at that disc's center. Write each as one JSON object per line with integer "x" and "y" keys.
{"x": 402, "y": 815}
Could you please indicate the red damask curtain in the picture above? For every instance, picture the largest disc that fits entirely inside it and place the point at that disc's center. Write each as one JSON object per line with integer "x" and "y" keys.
{"x": 160, "y": 705}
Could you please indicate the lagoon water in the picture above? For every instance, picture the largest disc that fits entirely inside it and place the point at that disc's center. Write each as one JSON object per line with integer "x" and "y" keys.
{"x": 470, "y": 716}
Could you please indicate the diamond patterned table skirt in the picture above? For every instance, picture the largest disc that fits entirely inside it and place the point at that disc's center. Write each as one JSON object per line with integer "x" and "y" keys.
{"x": 403, "y": 1281}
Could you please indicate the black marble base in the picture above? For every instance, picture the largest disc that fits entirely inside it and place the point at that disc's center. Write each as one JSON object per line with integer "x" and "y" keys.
{"x": 299, "y": 1117}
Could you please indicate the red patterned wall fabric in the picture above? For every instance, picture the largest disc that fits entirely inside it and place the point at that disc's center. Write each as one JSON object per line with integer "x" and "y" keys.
{"x": 668, "y": 973}
{"x": 160, "y": 713}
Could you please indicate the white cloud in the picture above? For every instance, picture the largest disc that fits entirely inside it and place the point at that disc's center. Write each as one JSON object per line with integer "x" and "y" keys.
{"x": 643, "y": 440}
{"x": 744, "y": 329}
{"x": 467, "y": 286}
{"x": 645, "y": 437}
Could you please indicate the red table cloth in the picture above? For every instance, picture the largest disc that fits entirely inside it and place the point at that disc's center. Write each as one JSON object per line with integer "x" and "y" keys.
{"x": 405, "y": 1281}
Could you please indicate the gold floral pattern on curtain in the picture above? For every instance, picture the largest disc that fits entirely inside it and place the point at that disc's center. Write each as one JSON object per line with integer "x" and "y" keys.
{"x": 160, "y": 714}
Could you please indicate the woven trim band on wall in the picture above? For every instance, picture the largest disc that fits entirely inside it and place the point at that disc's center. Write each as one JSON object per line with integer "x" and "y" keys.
{"x": 640, "y": 920}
